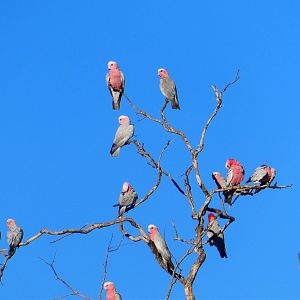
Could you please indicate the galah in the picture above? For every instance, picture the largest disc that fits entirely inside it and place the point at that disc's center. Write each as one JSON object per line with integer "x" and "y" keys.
{"x": 123, "y": 134}
{"x": 168, "y": 88}
{"x": 235, "y": 175}
{"x": 220, "y": 181}
{"x": 111, "y": 293}
{"x": 116, "y": 82}
{"x": 14, "y": 236}
{"x": 262, "y": 175}
{"x": 161, "y": 246}
{"x": 127, "y": 199}
{"x": 216, "y": 238}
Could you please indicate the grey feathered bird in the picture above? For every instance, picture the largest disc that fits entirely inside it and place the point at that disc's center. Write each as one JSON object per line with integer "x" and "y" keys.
{"x": 14, "y": 236}
{"x": 168, "y": 88}
{"x": 262, "y": 175}
{"x": 161, "y": 246}
{"x": 123, "y": 134}
{"x": 127, "y": 199}
{"x": 215, "y": 237}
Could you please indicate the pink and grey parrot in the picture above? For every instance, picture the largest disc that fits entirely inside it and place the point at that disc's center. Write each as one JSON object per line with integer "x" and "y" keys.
{"x": 235, "y": 175}
{"x": 14, "y": 236}
{"x": 262, "y": 175}
{"x": 127, "y": 198}
{"x": 216, "y": 238}
{"x": 168, "y": 88}
{"x": 123, "y": 134}
{"x": 116, "y": 82}
{"x": 111, "y": 293}
{"x": 220, "y": 181}
{"x": 161, "y": 246}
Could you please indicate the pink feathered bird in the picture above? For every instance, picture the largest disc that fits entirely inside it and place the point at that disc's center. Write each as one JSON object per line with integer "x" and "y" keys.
{"x": 219, "y": 180}
{"x": 161, "y": 246}
{"x": 216, "y": 237}
{"x": 168, "y": 88}
{"x": 111, "y": 293}
{"x": 116, "y": 82}
{"x": 235, "y": 175}
{"x": 14, "y": 236}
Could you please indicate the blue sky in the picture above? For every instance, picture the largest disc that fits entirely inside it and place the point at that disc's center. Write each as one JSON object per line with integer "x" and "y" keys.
{"x": 57, "y": 126}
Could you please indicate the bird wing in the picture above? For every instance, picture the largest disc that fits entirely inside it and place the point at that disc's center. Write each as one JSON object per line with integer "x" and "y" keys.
{"x": 229, "y": 177}
{"x": 167, "y": 87}
{"x": 259, "y": 174}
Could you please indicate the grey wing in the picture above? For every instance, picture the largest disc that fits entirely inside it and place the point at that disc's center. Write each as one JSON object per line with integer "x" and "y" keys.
{"x": 209, "y": 233}
{"x": 108, "y": 85}
{"x": 19, "y": 236}
{"x": 107, "y": 79}
{"x": 258, "y": 174}
{"x": 125, "y": 199}
{"x": 10, "y": 237}
{"x": 120, "y": 136}
{"x": 214, "y": 229}
{"x": 168, "y": 88}
{"x": 223, "y": 183}
{"x": 123, "y": 134}
{"x": 118, "y": 296}
{"x": 175, "y": 102}
{"x": 162, "y": 247}
{"x": 229, "y": 177}
{"x": 135, "y": 197}
{"x": 123, "y": 80}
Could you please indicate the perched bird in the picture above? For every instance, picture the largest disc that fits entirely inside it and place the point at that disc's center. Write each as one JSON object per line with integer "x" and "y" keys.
{"x": 235, "y": 175}
{"x": 221, "y": 184}
{"x": 168, "y": 88}
{"x": 115, "y": 81}
{"x": 14, "y": 236}
{"x": 111, "y": 293}
{"x": 262, "y": 175}
{"x": 216, "y": 238}
{"x": 220, "y": 181}
{"x": 123, "y": 134}
{"x": 127, "y": 198}
{"x": 161, "y": 246}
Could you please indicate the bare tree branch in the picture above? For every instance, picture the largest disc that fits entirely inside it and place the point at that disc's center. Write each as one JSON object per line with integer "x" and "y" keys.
{"x": 164, "y": 123}
{"x": 74, "y": 292}
{"x": 188, "y": 191}
{"x": 105, "y": 266}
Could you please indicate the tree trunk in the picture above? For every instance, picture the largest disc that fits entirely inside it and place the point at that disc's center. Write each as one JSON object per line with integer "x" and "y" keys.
{"x": 188, "y": 290}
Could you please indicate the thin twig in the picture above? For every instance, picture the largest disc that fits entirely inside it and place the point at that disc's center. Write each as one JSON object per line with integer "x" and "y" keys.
{"x": 74, "y": 292}
{"x": 105, "y": 266}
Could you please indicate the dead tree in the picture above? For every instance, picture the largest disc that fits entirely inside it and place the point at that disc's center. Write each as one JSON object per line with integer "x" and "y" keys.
{"x": 195, "y": 244}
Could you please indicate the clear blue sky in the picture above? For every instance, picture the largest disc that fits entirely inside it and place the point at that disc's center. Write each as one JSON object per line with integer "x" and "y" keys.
{"x": 57, "y": 126}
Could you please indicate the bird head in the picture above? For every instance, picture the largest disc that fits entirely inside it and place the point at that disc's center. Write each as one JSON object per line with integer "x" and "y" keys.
{"x": 230, "y": 162}
{"x": 124, "y": 120}
{"x": 211, "y": 217}
{"x": 126, "y": 187}
{"x": 152, "y": 228}
{"x": 162, "y": 73}
{"x": 112, "y": 65}
{"x": 109, "y": 286}
{"x": 216, "y": 175}
{"x": 10, "y": 222}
